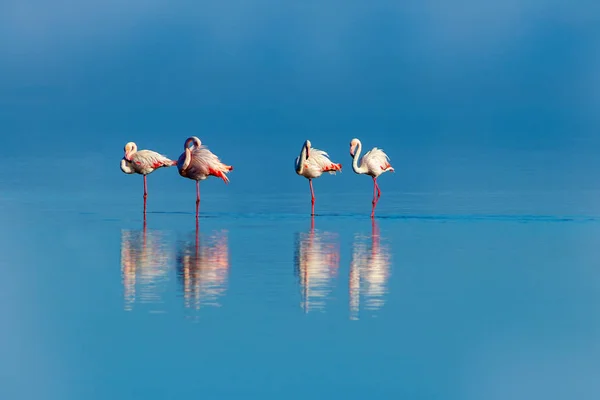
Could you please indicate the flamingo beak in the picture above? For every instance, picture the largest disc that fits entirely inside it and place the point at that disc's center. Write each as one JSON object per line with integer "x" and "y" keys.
{"x": 351, "y": 150}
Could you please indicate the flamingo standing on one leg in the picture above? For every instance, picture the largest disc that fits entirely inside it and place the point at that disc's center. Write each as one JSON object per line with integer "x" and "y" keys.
{"x": 198, "y": 163}
{"x": 311, "y": 163}
{"x": 143, "y": 162}
{"x": 374, "y": 163}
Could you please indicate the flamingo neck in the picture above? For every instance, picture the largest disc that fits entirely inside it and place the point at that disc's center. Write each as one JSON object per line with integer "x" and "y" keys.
{"x": 131, "y": 152}
{"x": 355, "y": 167}
{"x": 188, "y": 159}
{"x": 303, "y": 157}
{"x": 125, "y": 167}
{"x": 194, "y": 141}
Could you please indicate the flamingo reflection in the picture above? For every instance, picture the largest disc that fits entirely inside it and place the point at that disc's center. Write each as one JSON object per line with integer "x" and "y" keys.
{"x": 369, "y": 273}
{"x": 202, "y": 268}
{"x": 145, "y": 264}
{"x": 316, "y": 262}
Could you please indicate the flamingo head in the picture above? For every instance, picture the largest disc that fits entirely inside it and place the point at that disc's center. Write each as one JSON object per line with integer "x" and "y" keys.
{"x": 308, "y": 145}
{"x": 353, "y": 144}
{"x": 192, "y": 140}
{"x": 130, "y": 148}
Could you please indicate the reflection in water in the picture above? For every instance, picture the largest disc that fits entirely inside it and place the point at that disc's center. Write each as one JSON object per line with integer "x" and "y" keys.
{"x": 144, "y": 263}
{"x": 316, "y": 261}
{"x": 202, "y": 268}
{"x": 369, "y": 273}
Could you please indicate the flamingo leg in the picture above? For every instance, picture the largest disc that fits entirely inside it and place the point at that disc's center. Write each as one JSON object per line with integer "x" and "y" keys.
{"x": 312, "y": 197}
{"x": 376, "y": 194}
{"x": 197, "y": 198}
{"x": 374, "y": 231}
{"x": 197, "y": 236}
{"x": 197, "y": 191}
{"x": 145, "y": 196}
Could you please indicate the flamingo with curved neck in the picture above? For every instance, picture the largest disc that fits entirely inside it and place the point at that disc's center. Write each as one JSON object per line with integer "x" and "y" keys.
{"x": 374, "y": 163}
{"x": 198, "y": 163}
{"x": 190, "y": 144}
{"x": 311, "y": 163}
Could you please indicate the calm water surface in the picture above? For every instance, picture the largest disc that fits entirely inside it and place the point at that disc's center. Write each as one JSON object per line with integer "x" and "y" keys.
{"x": 496, "y": 303}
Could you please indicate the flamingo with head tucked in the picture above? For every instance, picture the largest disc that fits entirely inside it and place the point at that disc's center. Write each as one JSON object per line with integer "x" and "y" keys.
{"x": 143, "y": 162}
{"x": 198, "y": 163}
{"x": 374, "y": 163}
{"x": 311, "y": 163}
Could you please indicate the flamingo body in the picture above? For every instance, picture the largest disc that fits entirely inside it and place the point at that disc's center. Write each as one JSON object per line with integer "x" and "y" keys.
{"x": 143, "y": 162}
{"x": 197, "y": 162}
{"x": 312, "y": 163}
{"x": 314, "y": 166}
{"x": 374, "y": 163}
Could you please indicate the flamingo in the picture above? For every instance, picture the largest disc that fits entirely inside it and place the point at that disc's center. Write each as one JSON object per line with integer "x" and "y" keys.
{"x": 143, "y": 162}
{"x": 374, "y": 163}
{"x": 311, "y": 163}
{"x": 198, "y": 163}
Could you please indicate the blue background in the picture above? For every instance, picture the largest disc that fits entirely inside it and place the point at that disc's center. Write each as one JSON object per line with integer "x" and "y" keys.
{"x": 488, "y": 111}
{"x": 458, "y": 92}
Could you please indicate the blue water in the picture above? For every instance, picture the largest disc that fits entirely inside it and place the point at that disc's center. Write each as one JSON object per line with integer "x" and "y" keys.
{"x": 267, "y": 303}
{"x": 479, "y": 279}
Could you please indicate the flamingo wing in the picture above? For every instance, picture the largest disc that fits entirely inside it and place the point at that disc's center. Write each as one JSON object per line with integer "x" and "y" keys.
{"x": 320, "y": 159}
{"x": 376, "y": 160}
{"x": 150, "y": 159}
{"x": 203, "y": 159}
{"x": 204, "y": 163}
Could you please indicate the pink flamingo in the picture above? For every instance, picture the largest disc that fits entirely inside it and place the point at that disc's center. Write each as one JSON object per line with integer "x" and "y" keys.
{"x": 198, "y": 163}
{"x": 311, "y": 163}
{"x": 143, "y": 162}
{"x": 374, "y": 163}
